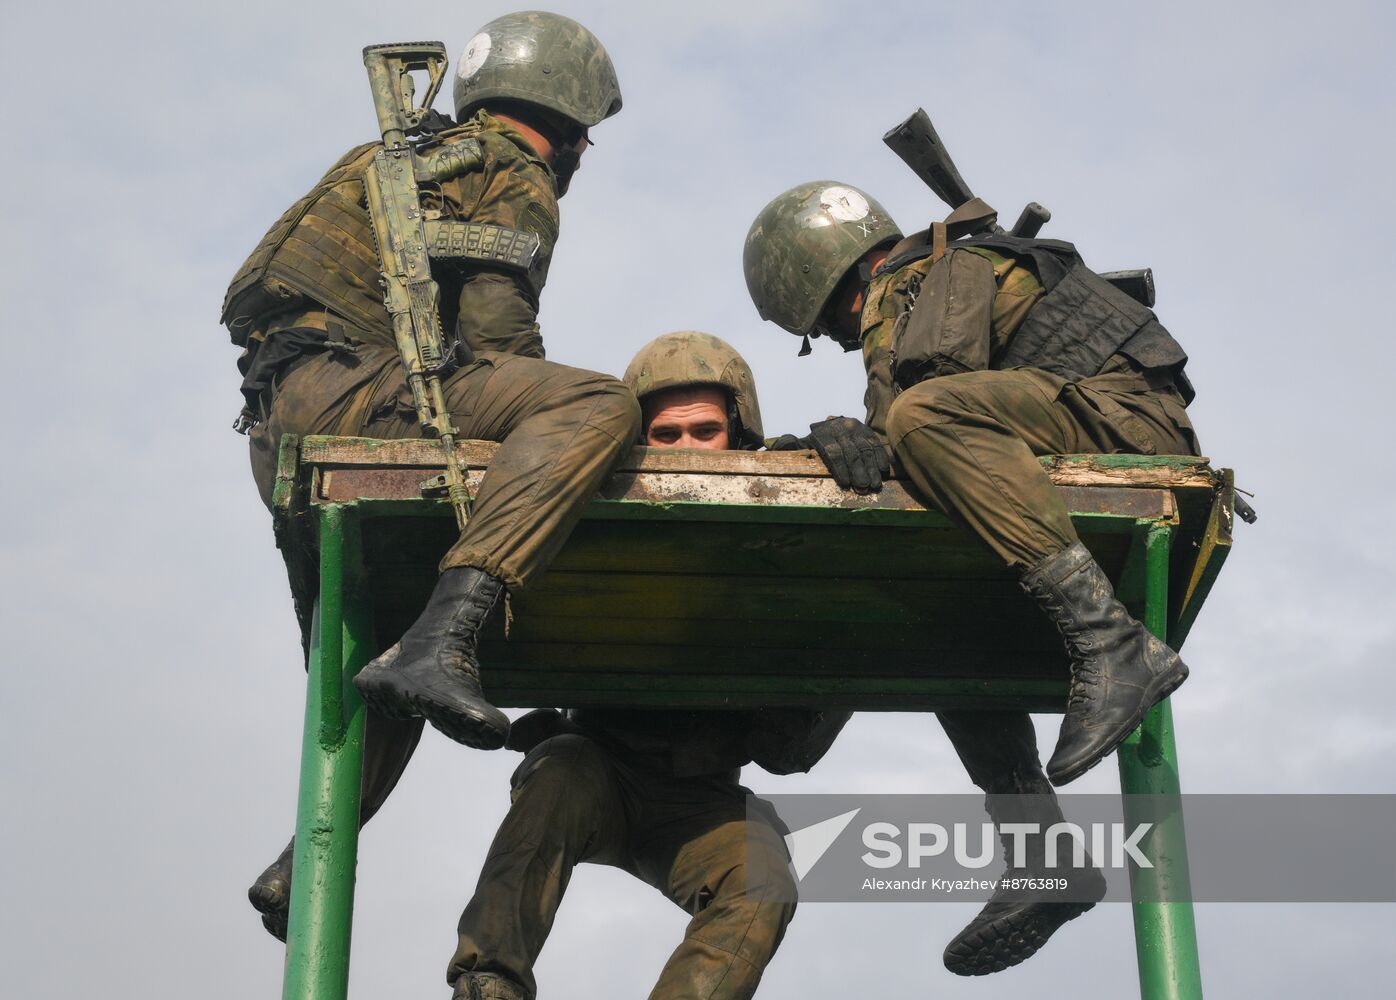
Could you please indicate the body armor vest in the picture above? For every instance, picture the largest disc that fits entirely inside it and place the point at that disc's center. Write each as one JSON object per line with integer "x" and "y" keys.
{"x": 1081, "y": 321}
{"x": 322, "y": 248}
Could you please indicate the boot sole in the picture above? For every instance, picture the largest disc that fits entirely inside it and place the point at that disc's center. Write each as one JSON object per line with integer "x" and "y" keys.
{"x": 1165, "y": 688}
{"x": 1010, "y": 940}
{"x": 390, "y": 703}
{"x": 468, "y": 730}
{"x": 391, "y": 699}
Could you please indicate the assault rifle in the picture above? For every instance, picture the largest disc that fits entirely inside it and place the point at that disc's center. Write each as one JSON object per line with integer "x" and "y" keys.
{"x": 916, "y": 142}
{"x": 400, "y": 232}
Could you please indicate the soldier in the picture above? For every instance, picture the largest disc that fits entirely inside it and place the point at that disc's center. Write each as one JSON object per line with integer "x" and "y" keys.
{"x": 982, "y": 353}
{"x": 652, "y": 792}
{"x": 321, "y": 359}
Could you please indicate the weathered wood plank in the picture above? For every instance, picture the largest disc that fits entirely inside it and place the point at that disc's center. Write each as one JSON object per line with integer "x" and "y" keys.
{"x": 347, "y": 485}
{"x": 393, "y": 457}
{"x": 1211, "y": 552}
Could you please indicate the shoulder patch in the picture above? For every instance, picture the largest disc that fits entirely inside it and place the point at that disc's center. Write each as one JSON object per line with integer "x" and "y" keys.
{"x": 538, "y": 220}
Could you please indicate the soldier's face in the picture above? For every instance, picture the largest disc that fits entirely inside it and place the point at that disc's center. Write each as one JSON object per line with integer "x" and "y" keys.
{"x": 687, "y": 417}
{"x": 844, "y": 313}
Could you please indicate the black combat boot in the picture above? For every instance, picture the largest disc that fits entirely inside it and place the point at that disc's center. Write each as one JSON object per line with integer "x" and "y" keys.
{"x": 487, "y": 986}
{"x": 1118, "y": 669}
{"x": 433, "y": 671}
{"x": 999, "y": 751}
{"x": 1018, "y": 920}
{"x": 270, "y": 895}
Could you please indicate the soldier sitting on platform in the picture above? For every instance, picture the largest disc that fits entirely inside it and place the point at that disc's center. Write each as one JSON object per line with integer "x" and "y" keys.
{"x": 321, "y": 358}
{"x": 984, "y": 352}
{"x": 652, "y": 792}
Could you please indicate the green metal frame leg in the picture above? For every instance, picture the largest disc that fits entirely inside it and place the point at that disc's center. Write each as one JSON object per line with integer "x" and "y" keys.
{"x": 1165, "y": 935}
{"x": 327, "y": 820}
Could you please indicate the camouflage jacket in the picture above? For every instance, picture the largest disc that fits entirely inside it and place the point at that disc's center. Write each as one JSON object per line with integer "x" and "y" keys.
{"x": 892, "y": 295}
{"x": 317, "y": 265}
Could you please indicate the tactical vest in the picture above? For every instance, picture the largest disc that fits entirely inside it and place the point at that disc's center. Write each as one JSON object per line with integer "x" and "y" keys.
{"x": 1081, "y": 321}
{"x": 322, "y": 248}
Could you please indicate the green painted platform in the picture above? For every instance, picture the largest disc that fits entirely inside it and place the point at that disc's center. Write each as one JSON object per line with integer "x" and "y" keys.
{"x": 726, "y": 579}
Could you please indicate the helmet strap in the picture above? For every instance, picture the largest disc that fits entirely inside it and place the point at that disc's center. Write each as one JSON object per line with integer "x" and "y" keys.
{"x": 565, "y": 163}
{"x": 734, "y": 421}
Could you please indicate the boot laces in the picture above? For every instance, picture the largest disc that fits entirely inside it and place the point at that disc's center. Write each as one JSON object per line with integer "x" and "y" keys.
{"x": 1085, "y": 678}
{"x": 466, "y": 623}
{"x": 1077, "y": 636}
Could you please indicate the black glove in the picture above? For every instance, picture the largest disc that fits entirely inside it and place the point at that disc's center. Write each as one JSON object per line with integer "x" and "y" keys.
{"x": 787, "y": 442}
{"x": 854, "y": 454}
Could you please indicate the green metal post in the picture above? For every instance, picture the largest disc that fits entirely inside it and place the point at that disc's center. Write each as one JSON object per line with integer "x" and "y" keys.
{"x": 327, "y": 821}
{"x": 1165, "y": 936}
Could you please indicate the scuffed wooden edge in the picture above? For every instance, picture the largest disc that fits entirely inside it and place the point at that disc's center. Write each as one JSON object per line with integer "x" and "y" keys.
{"x": 1172, "y": 471}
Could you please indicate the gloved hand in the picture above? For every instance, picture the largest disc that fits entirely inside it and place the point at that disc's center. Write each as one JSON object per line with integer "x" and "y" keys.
{"x": 854, "y": 454}
{"x": 786, "y": 442}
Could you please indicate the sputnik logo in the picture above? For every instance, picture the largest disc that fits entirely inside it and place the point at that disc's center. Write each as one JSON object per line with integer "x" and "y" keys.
{"x": 809, "y": 844}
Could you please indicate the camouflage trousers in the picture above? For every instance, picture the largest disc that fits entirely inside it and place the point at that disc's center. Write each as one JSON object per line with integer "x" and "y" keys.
{"x": 970, "y": 442}
{"x": 575, "y": 801}
{"x": 562, "y": 430}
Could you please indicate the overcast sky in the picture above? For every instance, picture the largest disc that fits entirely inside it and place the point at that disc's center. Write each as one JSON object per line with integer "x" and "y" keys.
{"x": 152, "y": 701}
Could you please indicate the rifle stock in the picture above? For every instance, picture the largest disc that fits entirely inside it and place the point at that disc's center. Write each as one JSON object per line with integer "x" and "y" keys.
{"x": 915, "y": 140}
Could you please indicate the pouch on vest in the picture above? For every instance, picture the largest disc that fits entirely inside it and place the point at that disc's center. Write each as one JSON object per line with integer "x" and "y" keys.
{"x": 947, "y": 329}
{"x": 1075, "y": 327}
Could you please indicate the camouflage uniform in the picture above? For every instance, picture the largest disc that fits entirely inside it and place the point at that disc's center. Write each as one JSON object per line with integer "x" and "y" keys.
{"x": 495, "y": 310}
{"x": 603, "y": 793}
{"x": 321, "y": 359}
{"x": 983, "y": 354}
{"x": 562, "y": 429}
{"x": 654, "y": 793}
{"x": 968, "y": 429}
{"x": 968, "y": 435}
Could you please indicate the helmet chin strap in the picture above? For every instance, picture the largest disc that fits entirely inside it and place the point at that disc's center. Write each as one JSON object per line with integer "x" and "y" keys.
{"x": 735, "y": 431}
{"x": 565, "y": 163}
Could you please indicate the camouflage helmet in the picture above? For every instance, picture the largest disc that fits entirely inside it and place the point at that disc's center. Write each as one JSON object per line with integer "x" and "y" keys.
{"x": 692, "y": 358}
{"x": 803, "y": 243}
{"x": 542, "y": 59}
